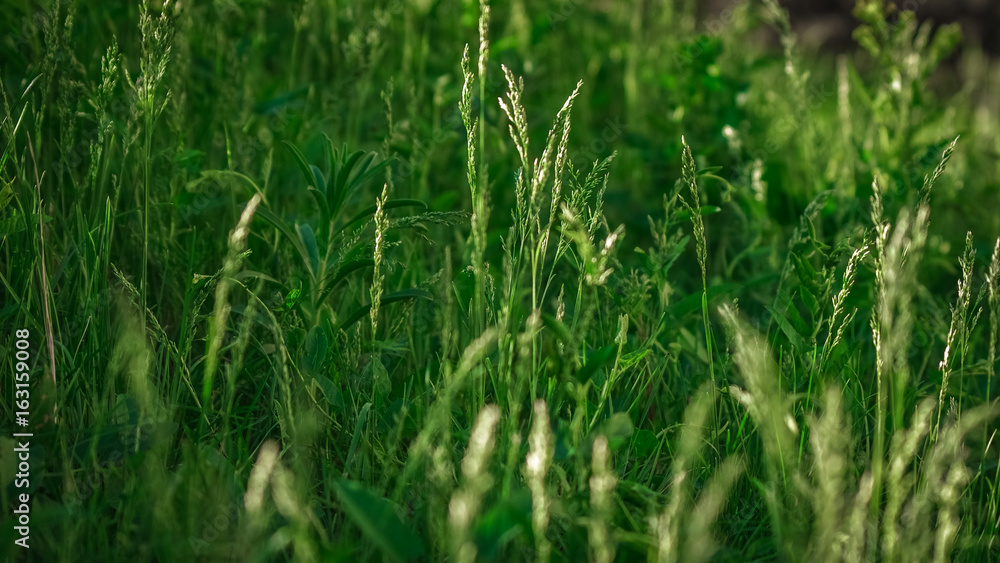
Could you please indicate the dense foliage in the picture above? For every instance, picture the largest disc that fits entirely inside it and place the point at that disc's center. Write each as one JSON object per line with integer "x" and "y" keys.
{"x": 541, "y": 281}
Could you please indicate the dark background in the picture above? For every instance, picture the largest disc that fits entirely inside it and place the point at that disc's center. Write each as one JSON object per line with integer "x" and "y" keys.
{"x": 827, "y": 24}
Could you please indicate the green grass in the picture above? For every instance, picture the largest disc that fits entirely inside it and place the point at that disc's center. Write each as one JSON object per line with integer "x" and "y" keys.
{"x": 586, "y": 282}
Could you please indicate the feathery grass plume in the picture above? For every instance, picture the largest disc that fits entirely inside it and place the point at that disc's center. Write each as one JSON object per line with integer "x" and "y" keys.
{"x": 561, "y": 303}
{"x": 668, "y": 244}
{"x": 302, "y": 522}
{"x": 689, "y": 174}
{"x": 616, "y": 370}
{"x": 932, "y": 178}
{"x": 958, "y": 326}
{"x": 992, "y": 281}
{"x": 700, "y": 545}
{"x": 438, "y": 420}
{"x": 896, "y": 261}
{"x": 880, "y": 229}
{"x": 943, "y": 477}
{"x": 156, "y": 38}
{"x": 536, "y": 468}
{"x": 949, "y": 490}
{"x": 675, "y": 533}
{"x": 602, "y": 488}
{"x": 465, "y": 503}
{"x": 902, "y": 257}
{"x": 557, "y": 140}
{"x": 260, "y": 475}
{"x": 853, "y": 543}
{"x": 101, "y": 102}
{"x": 477, "y": 190}
{"x": 484, "y": 56}
{"x": 579, "y": 200}
{"x": 381, "y": 227}
{"x": 899, "y": 483}
{"x": 781, "y": 19}
{"x": 846, "y": 126}
{"x": 518, "y": 126}
{"x": 533, "y": 179}
{"x": 237, "y": 243}
{"x": 830, "y": 441}
{"x": 380, "y": 377}
{"x": 839, "y": 320}
{"x": 598, "y": 173}
{"x": 524, "y": 379}
{"x": 596, "y": 268}
{"x": 476, "y": 165}
{"x": 768, "y": 408}
{"x": 668, "y": 525}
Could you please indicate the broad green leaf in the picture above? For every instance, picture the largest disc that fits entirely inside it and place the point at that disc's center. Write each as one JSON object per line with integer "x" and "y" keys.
{"x": 644, "y": 443}
{"x": 304, "y": 166}
{"x": 320, "y": 199}
{"x": 789, "y": 331}
{"x": 702, "y": 211}
{"x": 359, "y": 426}
{"x": 312, "y": 250}
{"x": 379, "y": 521}
{"x": 315, "y": 351}
{"x": 509, "y": 518}
{"x": 320, "y": 180}
{"x": 5, "y": 196}
{"x": 806, "y": 273}
{"x": 266, "y": 214}
{"x": 291, "y": 299}
{"x": 595, "y": 360}
{"x": 333, "y": 394}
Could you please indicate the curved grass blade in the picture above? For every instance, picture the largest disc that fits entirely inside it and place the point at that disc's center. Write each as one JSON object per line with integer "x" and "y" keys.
{"x": 293, "y": 238}
{"x": 391, "y": 204}
{"x": 332, "y": 281}
{"x": 304, "y": 166}
{"x": 363, "y": 310}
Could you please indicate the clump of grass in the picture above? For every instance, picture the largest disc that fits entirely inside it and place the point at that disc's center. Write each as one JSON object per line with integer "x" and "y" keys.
{"x": 959, "y": 328}
{"x": 157, "y": 34}
{"x": 477, "y": 172}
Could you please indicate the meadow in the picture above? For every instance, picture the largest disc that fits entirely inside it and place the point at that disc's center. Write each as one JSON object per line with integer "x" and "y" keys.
{"x": 470, "y": 280}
